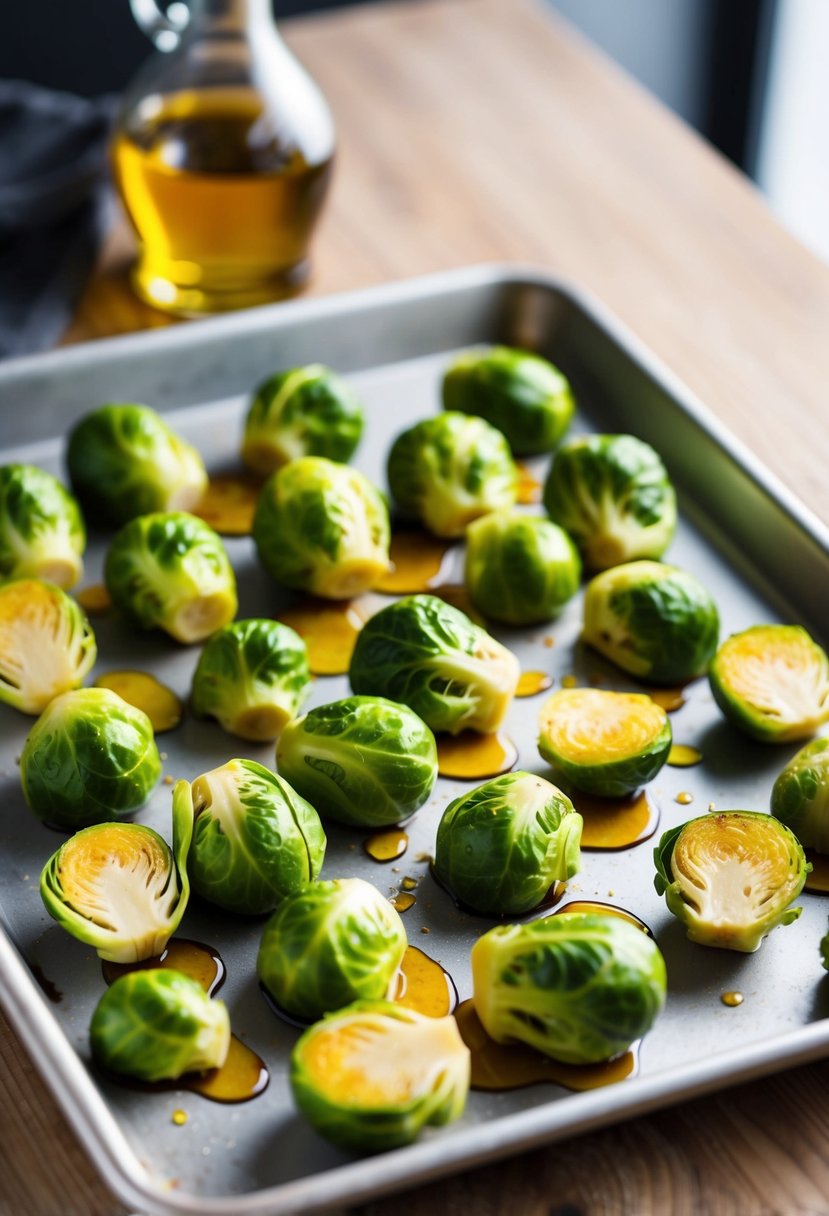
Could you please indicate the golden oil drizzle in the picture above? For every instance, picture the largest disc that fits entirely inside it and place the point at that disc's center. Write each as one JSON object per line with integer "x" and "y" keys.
{"x": 201, "y": 963}
{"x": 682, "y": 756}
{"x": 569, "y": 681}
{"x": 145, "y": 692}
{"x": 530, "y": 683}
{"x": 616, "y": 823}
{"x": 817, "y": 881}
{"x": 179, "y": 1117}
{"x": 684, "y": 798}
{"x": 669, "y": 699}
{"x": 595, "y": 905}
{"x": 329, "y": 630}
{"x": 402, "y": 901}
{"x": 529, "y": 487}
{"x": 732, "y": 999}
{"x": 387, "y": 845}
{"x": 470, "y": 756}
{"x": 244, "y": 1075}
{"x": 409, "y": 884}
{"x": 95, "y": 599}
{"x": 423, "y": 984}
{"x": 418, "y": 562}
{"x": 229, "y": 503}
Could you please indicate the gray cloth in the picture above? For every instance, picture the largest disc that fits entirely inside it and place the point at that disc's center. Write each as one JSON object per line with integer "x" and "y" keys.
{"x": 54, "y": 206}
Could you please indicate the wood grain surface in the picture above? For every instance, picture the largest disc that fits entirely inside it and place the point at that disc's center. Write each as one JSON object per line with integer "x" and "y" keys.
{"x": 483, "y": 130}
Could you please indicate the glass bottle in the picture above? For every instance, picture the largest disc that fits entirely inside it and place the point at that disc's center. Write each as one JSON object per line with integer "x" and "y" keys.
{"x": 222, "y": 154}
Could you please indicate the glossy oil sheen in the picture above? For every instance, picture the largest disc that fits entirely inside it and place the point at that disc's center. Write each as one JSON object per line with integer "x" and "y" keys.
{"x": 329, "y": 630}
{"x": 194, "y": 959}
{"x": 387, "y": 845}
{"x": 531, "y": 683}
{"x": 616, "y": 823}
{"x": 472, "y": 757}
{"x": 229, "y": 503}
{"x": 417, "y": 563}
{"x": 424, "y": 985}
{"x": 145, "y": 692}
{"x": 682, "y": 756}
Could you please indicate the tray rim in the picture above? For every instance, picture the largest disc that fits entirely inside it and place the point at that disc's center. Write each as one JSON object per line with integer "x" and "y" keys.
{"x": 58, "y": 1062}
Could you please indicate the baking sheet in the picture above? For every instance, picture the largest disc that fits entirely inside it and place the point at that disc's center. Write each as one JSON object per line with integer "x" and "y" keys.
{"x": 740, "y": 533}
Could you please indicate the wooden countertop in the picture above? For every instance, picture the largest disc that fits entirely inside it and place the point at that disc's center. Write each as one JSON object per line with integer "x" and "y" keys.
{"x": 484, "y": 130}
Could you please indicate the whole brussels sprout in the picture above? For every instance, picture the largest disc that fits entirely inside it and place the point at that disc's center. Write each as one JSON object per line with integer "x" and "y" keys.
{"x": 447, "y": 471}
{"x": 255, "y": 841}
{"x": 428, "y": 655}
{"x": 125, "y": 461}
{"x": 46, "y": 644}
{"x": 772, "y": 682}
{"x": 656, "y": 622}
{"x": 526, "y": 397}
{"x": 520, "y": 569}
{"x": 157, "y": 1025}
{"x": 42, "y": 533}
{"x": 372, "y": 1075}
{"x": 329, "y": 944}
{"x": 800, "y": 796}
{"x": 119, "y": 888}
{"x": 604, "y": 743}
{"x": 364, "y": 761}
{"x": 730, "y": 877}
{"x": 252, "y": 676}
{"x": 89, "y": 757}
{"x": 306, "y": 411}
{"x": 170, "y": 571}
{"x": 501, "y": 846}
{"x": 579, "y": 987}
{"x": 322, "y": 527}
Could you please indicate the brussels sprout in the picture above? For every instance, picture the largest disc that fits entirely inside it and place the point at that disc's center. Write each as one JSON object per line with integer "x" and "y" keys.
{"x": 42, "y": 533}
{"x": 252, "y": 676}
{"x": 254, "y": 839}
{"x": 46, "y": 644}
{"x": 125, "y": 461}
{"x": 824, "y": 951}
{"x": 519, "y": 569}
{"x": 613, "y": 495}
{"x": 157, "y": 1025}
{"x": 526, "y": 397}
{"x": 119, "y": 888}
{"x": 449, "y": 470}
{"x": 730, "y": 877}
{"x": 430, "y": 656}
{"x": 364, "y": 761}
{"x": 605, "y": 743}
{"x": 322, "y": 527}
{"x": 330, "y": 944}
{"x": 579, "y": 987}
{"x": 501, "y": 846}
{"x": 89, "y": 757}
{"x": 800, "y": 796}
{"x": 307, "y": 411}
{"x": 170, "y": 571}
{"x": 654, "y": 621}
{"x": 371, "y": 1076}
{"x": 772, "y": 681}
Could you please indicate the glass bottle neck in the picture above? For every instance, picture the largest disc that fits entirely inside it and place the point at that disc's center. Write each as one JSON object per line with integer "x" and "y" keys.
{"x": 234, "y": 14}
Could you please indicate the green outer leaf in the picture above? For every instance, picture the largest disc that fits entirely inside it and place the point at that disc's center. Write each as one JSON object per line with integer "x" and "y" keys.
{"x": 800, "y": 796}
{"x": 40, "y": 525}
{"x": 362, "y": 761}
{"x": 520, "y": 569}
{"x": 501, "y": 846}
{"x": 304, "y": 411}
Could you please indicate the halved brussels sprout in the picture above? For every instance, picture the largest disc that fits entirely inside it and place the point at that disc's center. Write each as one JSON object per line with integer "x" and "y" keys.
{"x": 526, "y": 397}
{"x": 157, "y": 1025}
{"x": 322, "y": 527}
{"x": 520, "y": 569}
{"x": 89, "y": 757}
{"x": 306, "y": 411}
{"x": 255, "y": 840}
{"x": 613, "y": 495}
{"x": 42, "y": 533}
{"x": 449, "y": 470}
{"x": 656, "y": 622}
{"x": 800, "y": 796}
{"x": 170, "y": 571}
{"x": 579, "y": 987}
{"x": 772, "y": 681}
{"x": 371, "y": 1076}
{"x": 428, "y": 655}
{"x": 605, "y": 743}
{"x": 118, "y": 887}
{"x": 252, "y": 676}
{"x": 46, "y": 644}
{"x": 125, "y": 461}
{"x": 364, "y": 761}
{"x": 501, "y": 847}
{"x": 730, "y": 877}
{"x": 330, "y": 944}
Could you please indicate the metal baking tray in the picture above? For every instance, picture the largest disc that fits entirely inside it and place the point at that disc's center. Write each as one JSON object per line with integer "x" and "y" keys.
{"x": 741, "y": 533}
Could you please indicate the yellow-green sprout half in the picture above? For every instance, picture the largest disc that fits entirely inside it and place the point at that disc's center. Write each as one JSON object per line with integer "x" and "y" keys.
{"x": 42, "y": 533}
{"x": 730, "y": 877}
{"x": 118, "y": 886}
{"x": 605, "y": 743}
{"x": 371, "y": 1076}
{"x": 170, "y": 571}
{"x": 800, "y": 796}
{"x": 306, "y": 411}
{"x": 772, "y": 681}
{"x": 322, "y": 527}
{"x": 46, "y": 644}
